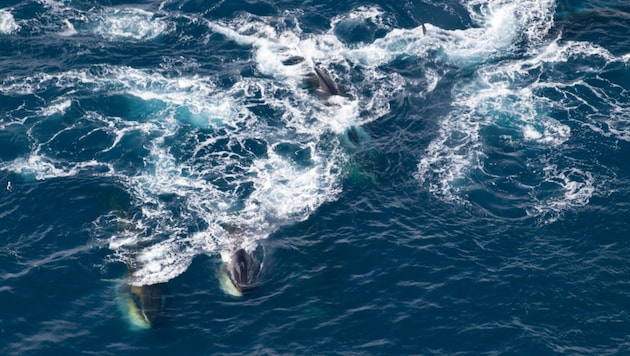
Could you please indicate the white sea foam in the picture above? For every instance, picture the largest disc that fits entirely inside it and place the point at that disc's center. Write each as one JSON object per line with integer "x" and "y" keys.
{"x": 501, "y": 25}
{"x": 499, "y": 31}
{"x": 130, "y": 24}
{"x": 197, "y": 95}
{"x": 186, "y": 202}
{"x": 603, "y": 107}
{"x": 58, "y": 18}
{"x": 508, "y": 94}
{"x": 365, "y": 14}
{"x": 163, "y": 261}
{"x": 532, "y": 18}
{"x": 41, "y": 167}
{"x": 206, "y": 105}
{"x": 274, "y": 44}
{"x": 70, "y": 30}
{"x": 396, "y": 43}
{"x": 7, "y": 22}
{"x": 286, "y": 192}
{"x": 577, "y": 187}
{"x": 260, "y": 192}
{"x": 58, "y": 107}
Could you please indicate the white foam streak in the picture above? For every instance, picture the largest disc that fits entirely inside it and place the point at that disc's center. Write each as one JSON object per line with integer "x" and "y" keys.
{"x": 198, "y": 95}
{"x": 371, "y": 14}
{"x": 606, "y": 105}
{"x": 233, "y": 34}
{"x": 163, "y": 261}
{"x": 534, "y": 18}
{"x": 41, "y": 167}
{"x": 396, "y": 43}
{"x": 70, "y": 30}
{"x": 473, "y": 45}
{"x": 59, "y": 107}
{"x": 555, "y": 52}
{"x": 130, "y": 23}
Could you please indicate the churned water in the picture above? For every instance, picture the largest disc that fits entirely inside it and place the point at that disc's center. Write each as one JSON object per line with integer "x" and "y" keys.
{"x": 468, "y": 193}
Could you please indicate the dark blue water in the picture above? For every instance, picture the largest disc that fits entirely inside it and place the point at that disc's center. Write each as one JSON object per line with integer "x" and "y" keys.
{"x": 468, "y": 194}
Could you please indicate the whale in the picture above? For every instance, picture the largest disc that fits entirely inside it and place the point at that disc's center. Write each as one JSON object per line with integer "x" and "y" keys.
{"x": 325, "y": 84}
{"x": 318, "y": 79}
{"x": 142, "y": 304}
{"x": 322, "y": 83}
{"x": 241, "y": 273}
{"x": 145, "y": 304}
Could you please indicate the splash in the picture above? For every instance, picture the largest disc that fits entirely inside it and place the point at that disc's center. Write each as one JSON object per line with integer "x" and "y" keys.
{"x": 7, "y": 23}
{"x": 509, "y": 110}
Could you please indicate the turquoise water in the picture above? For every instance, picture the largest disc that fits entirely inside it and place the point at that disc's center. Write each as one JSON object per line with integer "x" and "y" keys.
{"x": 467, "y": 195}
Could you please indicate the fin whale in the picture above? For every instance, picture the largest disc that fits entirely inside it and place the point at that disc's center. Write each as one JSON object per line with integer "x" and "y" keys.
{"x": 318, "y": 80}
{"x": 242, "y": 272}
{"x": 321, "y": 82}
{"x": 325, "y": 84}
{"x": 144, "y": 303}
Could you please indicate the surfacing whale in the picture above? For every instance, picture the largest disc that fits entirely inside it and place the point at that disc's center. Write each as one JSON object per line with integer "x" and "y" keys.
{"x": 143, "y": 304}
{"x": 318, "y": 80}
{"x": 241, "y": 273}
{"x": 325, "y": 84}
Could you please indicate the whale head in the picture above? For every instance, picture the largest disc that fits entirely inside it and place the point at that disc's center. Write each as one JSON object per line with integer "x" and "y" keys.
{"x": 145, "y": 304}
{"x": 242, "y": 272}
{"x": 141, "y": 304}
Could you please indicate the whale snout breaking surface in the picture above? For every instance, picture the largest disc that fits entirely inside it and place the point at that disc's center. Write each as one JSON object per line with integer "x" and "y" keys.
{"x": 145, "y": 304}
{"x": 142, "y": 305}
{"x": 241, "y": 274}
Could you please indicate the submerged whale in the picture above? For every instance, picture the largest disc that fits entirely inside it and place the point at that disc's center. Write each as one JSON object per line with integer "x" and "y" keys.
{"x": 146, "y": 304}
{"x": 143, "y": 304}
{"x": 241, "y": 273}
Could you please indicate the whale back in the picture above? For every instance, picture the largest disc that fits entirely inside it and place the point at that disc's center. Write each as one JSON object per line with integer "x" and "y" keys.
{"x": 325, "y": 82}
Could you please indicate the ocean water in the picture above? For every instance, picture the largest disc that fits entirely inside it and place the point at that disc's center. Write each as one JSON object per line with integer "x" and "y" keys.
{"x": 468, "y": 194}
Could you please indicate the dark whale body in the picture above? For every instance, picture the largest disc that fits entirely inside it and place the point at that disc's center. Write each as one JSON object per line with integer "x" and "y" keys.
{"x": 325, "y": 84}
{"x": 243, "y": 271}
{"x": 146, "y": 303}
{"x": 318, "y": 80}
